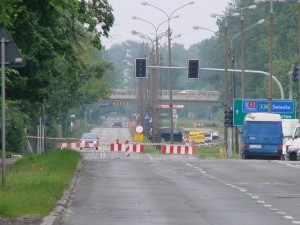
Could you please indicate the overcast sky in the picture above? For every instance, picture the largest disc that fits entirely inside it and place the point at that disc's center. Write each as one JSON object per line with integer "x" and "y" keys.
{"x": 190, "y": 15}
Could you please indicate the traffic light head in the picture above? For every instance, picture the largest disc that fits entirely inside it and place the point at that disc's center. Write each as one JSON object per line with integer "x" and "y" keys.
{"x": 140, "y": 68}
{"x": 228, "y": 118}
{"x": 295, "y": 73}
{"x": 193, "y": 68}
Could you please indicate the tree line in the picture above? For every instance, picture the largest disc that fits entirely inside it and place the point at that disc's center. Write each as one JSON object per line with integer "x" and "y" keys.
{"x": 211, "y": 54}
{"x": 68, "y": 68}
{"x": 60, "y": 42}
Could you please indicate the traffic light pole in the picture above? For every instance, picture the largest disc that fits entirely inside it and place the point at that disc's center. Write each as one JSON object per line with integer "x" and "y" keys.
{"x": 229, "y": 70}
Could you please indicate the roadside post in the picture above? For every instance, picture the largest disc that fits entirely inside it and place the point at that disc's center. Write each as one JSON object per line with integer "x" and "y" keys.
{"x": 127, "y": 149}
{"x": 11, "y": 57}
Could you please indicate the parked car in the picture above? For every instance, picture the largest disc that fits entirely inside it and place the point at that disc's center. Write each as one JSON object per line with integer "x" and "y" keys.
{"x": 117, "y": 123}
{"x": 291, "y": 148}
{"x": 285, "y": 142}
{"x": 90, "y": 138}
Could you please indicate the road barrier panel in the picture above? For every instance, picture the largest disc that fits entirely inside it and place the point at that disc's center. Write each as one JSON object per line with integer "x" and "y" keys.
{"x": 77, "y": 145}
{"x": 127, "y": 149}
{"x": 178, "y": 149}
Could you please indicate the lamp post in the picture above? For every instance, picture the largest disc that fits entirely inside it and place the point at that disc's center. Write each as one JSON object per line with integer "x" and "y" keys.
{"x": 225, "y": 72}
{"x": 152, "y": 98}
{"x": 242, "y": 56}
{"x": 243, "y": 45}
{"x": 270, "y": 51}
{"x": 154, "y": 79}
{"x": 169, "y": 16}
{"x": 232, "y": 56}
{"x": 231, "y": 40}
{"x": 299, "y": 57}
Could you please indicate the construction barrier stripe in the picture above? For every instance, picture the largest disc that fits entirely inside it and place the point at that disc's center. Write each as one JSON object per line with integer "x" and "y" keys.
{"x": 122, "y": 148}
{"x": 112, "y": 141}
{"x": 77, "y": 145}
{"x": 178, "y": 149}
{"x": 138, "y": 148}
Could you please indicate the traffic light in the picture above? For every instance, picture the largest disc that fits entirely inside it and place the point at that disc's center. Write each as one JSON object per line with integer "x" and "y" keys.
{"x": 295, "y": 73}
{"x": 140, "y": 67}
{"x": 193, "y": 68}
{"x": 228, "y": 118}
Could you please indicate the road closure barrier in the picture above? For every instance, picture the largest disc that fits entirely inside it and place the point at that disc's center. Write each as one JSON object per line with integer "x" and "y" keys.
{"x": 138, "y": 148}
{"x": 77, "y": 145}
{"x": 178, "y": 149}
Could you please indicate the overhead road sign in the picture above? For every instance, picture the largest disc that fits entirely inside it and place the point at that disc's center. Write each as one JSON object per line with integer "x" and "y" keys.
{"x": 286, "y": 108}
{"x": 278, "y": 106}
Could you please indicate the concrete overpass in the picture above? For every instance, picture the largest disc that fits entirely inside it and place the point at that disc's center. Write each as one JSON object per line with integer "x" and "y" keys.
{"x": 180, "y": 97}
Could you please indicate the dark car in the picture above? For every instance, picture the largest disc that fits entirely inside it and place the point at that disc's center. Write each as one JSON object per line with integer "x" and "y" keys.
{"x": 165, "y": 135}
{"x": 90, "y": 138}
{"x": 117, "y": 123}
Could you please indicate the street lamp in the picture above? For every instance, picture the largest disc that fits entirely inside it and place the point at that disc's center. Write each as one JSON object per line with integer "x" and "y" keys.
{"x": 299, "y": 57}
{"x": 196, "y": 27}
{"x": 232, "y": 56}
{"x": 243, "y": 45}
{"x": 225, "y": 73}
{"x": 270, "y": 50}
{"x": 169, "y": 16}
{"x": 242, "y": 57}
{"x": 152, "y": 98}
{"x": 234, "y": 36}
{"x": 154, "y": 80}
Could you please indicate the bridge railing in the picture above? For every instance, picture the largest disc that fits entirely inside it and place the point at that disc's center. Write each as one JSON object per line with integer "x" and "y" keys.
{"x": 177, "y": 94}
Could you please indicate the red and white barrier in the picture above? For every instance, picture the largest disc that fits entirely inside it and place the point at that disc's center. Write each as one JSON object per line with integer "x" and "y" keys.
{"x": 138, "y": 148}
{"x": 127, "y": 149}
{"x": 76, "y": 145}
{"x": 178, "y": 149}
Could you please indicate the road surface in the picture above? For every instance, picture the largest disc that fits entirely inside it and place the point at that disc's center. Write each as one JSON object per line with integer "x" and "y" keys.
{"x": 148, "y": 189}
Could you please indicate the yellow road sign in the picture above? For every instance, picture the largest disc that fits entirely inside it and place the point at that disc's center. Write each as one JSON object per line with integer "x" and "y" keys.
{"x": 138, "y": 137}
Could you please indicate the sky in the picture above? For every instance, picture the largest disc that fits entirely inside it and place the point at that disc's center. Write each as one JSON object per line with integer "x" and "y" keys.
{"x": 198, "y": 14}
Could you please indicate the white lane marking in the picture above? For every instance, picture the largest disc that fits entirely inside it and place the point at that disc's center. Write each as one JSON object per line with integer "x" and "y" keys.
{"x": 249, "y": 194}
{"x": 288, "y": 164}
{"x": 288, "y": 217}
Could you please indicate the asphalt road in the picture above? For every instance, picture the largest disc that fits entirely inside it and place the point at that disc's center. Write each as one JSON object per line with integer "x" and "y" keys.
{"x": 149, "y": 189}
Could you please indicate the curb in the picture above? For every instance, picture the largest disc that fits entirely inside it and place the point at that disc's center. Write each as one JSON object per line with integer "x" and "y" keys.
{"x": 54, "y": 218}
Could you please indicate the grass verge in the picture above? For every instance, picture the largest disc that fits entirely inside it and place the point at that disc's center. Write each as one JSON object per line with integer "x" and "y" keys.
{"x": 35, "y": 183}
{"x": 202, "y": 152}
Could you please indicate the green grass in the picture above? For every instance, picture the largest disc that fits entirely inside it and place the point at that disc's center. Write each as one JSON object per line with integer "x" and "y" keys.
{"x": 35, "y": 183}
{"x": 215, "y": 152}
{"x": 202, "y": 152}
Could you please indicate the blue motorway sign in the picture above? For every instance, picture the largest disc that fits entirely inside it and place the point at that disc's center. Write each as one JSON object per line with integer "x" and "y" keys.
{"x": 286, "y": 108}
{"x": 278, "y": 106}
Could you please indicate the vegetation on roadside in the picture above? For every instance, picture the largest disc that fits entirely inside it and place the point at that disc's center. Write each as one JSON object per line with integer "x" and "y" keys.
{"x": 34, "y": 183}
{"x": 216, "y": 152}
